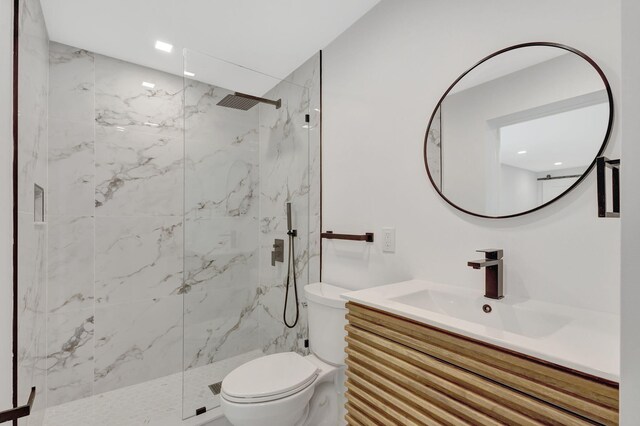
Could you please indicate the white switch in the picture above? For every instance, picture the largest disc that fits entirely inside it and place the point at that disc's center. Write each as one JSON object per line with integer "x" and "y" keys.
{"x": 389, "y": 240}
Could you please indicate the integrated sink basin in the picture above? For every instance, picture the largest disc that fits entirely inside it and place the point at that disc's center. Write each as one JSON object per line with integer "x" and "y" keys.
{"x": 510, "y": 317}
{"x": 580, "y": 339}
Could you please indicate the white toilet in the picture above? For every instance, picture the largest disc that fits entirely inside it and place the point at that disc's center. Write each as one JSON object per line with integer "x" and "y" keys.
{"x": 287, "y": 389}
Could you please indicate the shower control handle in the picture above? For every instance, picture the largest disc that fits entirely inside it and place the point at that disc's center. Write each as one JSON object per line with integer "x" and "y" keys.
{"x": 277, "y": 254}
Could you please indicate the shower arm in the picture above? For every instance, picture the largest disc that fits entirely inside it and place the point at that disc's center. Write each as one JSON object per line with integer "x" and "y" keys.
{"x": 277, "y": 103}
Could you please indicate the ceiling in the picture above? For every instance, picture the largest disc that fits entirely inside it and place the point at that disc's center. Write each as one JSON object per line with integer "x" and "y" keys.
{"x": 273, "y": 37}
{"x": 507, "y": 63}
{"x": 571, "y": 138}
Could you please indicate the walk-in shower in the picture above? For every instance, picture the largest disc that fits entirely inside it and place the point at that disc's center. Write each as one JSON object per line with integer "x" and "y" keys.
{"x": 148, "y": 277}
{"x": 246, "y": 159}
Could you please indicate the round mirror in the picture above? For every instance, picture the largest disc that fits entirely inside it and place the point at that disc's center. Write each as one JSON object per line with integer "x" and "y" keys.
{"x": 518, "y": 130}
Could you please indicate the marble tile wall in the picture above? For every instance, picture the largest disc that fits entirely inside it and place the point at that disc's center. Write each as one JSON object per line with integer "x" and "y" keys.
{"x": 289, "y": 172}
{"x": 115, "y": 231}
{"x": 220, "y": 289}
{"x": 32, "y": 236}
{"x": 125, "y": 264}
{"x": 71, "y": 233}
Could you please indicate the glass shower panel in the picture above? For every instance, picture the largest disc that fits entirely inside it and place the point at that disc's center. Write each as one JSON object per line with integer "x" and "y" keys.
{"x": 245, "y": 159}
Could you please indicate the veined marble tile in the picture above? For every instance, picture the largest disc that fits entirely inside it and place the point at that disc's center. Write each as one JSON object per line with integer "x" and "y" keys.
{"x": 31, "y": 287}
{"x": 71, "y": 168}
{"x": 209, "y": 123}
{"x": 309, "y": 72}
{"x": 220, "y": 323}
{"x": 276, "y": 336}
{"x": 69, "y": 358}
{"x": 32, "y": 103}
{"x": 70, "y": 263}
{"x": 220, "y": 252}
{"x": 137, "y": 258}
{"x": 284, "y": 156}
{"x": 32, "y": 168}
{"x": 221, "y": 154}
{"x": 31, "y": 373}
{"x": 138, "y": 174}
{"x": 222, "y": 184}
{"x": 136, "y": 342}
{"x": 71, "y": 84}
{"x": 289, "y": 169}
{"x": 122, "y": 100}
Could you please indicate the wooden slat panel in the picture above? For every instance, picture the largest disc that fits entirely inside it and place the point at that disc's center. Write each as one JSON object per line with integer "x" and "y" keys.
{"x": 550, "y": 375}
{"x": 352, "y": 421}
{"x": 389, "y": 414}
{"x": 586, "y": 397}
{"x": 365, "y": 412}
{"x": 423, "y": 375}
{"x": 358, "y": 416}
{"x": 415, "y": 405}
{"x": 463, "y": 414}
{"x": 403, "y": 411}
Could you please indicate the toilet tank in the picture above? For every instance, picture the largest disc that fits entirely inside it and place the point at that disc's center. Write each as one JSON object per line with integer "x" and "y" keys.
{"x": 326, "y": 310}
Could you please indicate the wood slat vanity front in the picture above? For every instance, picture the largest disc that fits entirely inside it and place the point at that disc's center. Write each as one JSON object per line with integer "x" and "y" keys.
{"x": 400, "y": 372}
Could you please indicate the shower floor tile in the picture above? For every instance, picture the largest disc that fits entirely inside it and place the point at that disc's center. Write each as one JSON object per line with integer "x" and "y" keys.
{"x": 156, "y": 402}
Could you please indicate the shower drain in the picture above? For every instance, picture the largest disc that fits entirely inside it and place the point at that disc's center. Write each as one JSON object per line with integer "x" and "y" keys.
{"x": 216, "y": 388}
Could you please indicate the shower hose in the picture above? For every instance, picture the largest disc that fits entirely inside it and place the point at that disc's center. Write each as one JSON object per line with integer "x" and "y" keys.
{"x": 291, "y": 270}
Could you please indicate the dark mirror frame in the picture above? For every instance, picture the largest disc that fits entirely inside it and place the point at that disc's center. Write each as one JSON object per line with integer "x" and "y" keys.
{"x": 586, "y": 172}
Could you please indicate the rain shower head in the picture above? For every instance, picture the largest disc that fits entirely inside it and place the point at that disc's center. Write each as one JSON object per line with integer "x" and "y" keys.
{"x": 245, "y": 102}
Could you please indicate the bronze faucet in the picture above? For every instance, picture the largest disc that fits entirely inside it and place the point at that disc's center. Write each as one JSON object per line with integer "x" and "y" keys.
{"x": 493, "y": 272}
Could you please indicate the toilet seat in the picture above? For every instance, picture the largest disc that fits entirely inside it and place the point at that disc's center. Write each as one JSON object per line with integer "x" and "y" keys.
{"x": 269, "y": 378}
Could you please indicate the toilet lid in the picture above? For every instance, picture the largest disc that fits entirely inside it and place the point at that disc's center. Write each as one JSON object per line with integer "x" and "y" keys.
{"x": 269, "y": 377}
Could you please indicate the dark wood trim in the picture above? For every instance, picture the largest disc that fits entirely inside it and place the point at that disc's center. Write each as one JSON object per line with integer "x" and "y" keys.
{"x": 588, "y": 376}
{"x": 321, "y": 195}
{"x": 587, "y": 171}
{"x": 16, "y": 44}
{"x": 329, "y": 235}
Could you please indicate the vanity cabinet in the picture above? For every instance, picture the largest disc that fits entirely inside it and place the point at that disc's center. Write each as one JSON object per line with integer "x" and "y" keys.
{"x": 400, "y": 372}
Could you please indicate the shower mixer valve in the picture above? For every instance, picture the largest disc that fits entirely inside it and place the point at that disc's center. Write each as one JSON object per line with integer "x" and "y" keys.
{"x": 277, "y": 254}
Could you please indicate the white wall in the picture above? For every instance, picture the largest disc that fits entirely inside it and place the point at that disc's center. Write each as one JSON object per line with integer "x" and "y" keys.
{"x": 382, "y": 79}
{"x": 630, "y": 212}
{"x": 518, "y": 189}
{"x": 6, "y": 201}
{"x": 470, "y": 133}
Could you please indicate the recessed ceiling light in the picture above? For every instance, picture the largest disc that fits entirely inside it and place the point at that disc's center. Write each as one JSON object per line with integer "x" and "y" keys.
{"x": 189, "y": 74}
{"x": 148, "y": 85}
{"x": 148, "y": 123}
{"x": 165, "y": 47}
{"x": 522, "y": 152}
{"x": 559, "y": 163}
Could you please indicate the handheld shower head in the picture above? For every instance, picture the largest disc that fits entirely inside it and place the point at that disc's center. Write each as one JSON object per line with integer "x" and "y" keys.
{"x": 289, "y": 226}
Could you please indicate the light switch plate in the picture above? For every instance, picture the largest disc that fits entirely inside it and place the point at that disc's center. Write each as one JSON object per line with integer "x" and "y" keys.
{"x": 389, "y": 240}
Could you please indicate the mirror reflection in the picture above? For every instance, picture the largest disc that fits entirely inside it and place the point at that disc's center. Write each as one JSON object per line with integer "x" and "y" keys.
{"x": 518, "y": 131}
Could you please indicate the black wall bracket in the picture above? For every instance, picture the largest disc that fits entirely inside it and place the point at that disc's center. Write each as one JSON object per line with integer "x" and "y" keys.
{"x": 602, "y": 163}
{"x": 19, "y": 412}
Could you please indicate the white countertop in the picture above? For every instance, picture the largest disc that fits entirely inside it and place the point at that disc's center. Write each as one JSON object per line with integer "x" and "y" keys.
{"x": 580, "y": 339}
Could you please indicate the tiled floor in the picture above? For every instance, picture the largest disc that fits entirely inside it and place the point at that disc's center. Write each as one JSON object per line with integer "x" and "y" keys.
{"x": 157, "y": 402}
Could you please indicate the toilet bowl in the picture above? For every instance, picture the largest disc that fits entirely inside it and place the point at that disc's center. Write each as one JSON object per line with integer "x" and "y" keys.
{"x": 287, "y": 389}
